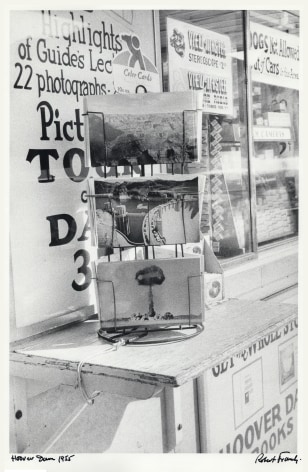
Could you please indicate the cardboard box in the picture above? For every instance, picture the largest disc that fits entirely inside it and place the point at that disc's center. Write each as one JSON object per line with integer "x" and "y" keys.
{"x": 244, "y": 390}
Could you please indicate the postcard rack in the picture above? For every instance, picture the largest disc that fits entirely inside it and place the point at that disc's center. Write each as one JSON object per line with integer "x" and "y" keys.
{"x": 152, "y": 334}
{"x": 156, "y": 333}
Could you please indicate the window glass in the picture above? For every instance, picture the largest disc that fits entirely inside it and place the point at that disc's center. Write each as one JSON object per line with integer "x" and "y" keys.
{"x": 274, "y": 55}
{"x": 226, "y": 214}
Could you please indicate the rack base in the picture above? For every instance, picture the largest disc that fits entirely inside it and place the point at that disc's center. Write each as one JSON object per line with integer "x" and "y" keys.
{"x": 147, "y": 336}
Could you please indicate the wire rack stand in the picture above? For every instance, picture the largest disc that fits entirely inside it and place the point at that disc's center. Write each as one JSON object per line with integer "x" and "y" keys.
{"x": 145, "y": 334}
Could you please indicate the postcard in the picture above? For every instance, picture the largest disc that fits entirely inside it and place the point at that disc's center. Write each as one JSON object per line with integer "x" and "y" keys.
{"x": 142, "y": 129}
{"x": 150, "y": 292}
{"x": 146, "y": 211}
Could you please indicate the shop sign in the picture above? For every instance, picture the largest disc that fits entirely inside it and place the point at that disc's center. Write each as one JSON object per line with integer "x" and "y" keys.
{"x": 200, "y": 59}
{"x": 274, "y": 56}
{"x": 57, "y": 58}
{"x": 258, "y": 388}
{"x": 133, "y": 72}
{"x": 265, "y": 133}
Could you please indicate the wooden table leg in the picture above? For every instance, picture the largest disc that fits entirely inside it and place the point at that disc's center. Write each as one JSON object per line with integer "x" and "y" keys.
{"x": 18, "y": 415}
{"x": 171, "y": 408}
{"x": 201, "y": 409}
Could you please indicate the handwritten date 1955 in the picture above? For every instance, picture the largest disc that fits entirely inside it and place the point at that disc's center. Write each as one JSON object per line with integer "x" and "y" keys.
{"x": 40, "y": 458}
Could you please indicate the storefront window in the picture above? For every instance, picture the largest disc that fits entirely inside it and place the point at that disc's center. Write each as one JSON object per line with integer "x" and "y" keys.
{"x": 206, "y": 40}
{"x": 274, "y": 55}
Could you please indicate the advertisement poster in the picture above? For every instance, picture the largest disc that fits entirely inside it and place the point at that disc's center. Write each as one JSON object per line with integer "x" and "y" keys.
{"x": 133, "y": 71}
{"x": 274, "y": 56}
{"x": 57, "y": 58}
{"x": 200, "y": 59}
{"x": 258, "y": 388}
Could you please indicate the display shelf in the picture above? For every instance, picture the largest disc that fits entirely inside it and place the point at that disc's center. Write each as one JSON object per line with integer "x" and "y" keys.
{"x": 132, "y": 373}
{"x": 276, "y": 199}
{"x": 229, "y": 327}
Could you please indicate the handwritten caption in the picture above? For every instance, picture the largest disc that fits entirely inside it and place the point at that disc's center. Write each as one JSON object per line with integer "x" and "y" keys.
{"x": 40, "y": 458}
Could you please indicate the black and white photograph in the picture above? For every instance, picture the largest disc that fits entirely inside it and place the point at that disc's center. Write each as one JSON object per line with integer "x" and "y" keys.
{"x": 159, "y": 128}
{"x": 146, "y": 212}
{"x": 153, "y": 292}
{"x": 154, "y": 238}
